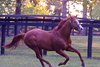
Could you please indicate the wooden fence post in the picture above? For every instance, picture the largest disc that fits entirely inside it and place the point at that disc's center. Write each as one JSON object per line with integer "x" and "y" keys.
{"x": 15, "y": 28}
{"x": 90, "y": 38}
{"x": 3, "y": 39}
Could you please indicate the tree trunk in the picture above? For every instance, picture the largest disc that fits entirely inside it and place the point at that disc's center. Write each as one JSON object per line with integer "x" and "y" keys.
{"x": 18, "y": 7}
{"x": 84, "y": 8}
{"x": 64, "y": 9}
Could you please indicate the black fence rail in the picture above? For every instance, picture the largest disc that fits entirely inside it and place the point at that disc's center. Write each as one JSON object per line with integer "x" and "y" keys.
{"x": 43, "y": 21}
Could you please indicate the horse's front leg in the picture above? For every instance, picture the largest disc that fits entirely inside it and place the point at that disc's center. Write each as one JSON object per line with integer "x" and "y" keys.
{"x": 76, "y": 51}
{"x": 62, "y": 53}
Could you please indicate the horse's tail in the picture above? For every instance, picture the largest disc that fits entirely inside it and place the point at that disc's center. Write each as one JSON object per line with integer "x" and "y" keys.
{"x": 15, "y": 41}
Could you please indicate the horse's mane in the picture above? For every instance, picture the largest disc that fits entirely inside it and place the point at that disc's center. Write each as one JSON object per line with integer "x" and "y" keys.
{"x": 61, "y": 23}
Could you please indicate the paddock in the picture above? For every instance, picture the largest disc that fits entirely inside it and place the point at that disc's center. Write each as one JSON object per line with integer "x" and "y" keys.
{"x": 23, "y": 56}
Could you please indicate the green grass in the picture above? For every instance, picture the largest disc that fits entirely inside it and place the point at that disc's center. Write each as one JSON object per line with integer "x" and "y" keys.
{"x": 25, "y": 57}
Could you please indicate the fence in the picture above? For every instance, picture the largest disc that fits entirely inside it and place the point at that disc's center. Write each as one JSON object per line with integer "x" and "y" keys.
{"x": 45, "y": 22}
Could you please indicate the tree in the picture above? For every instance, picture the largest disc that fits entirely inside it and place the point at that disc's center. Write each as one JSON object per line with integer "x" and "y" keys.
{"x": 84, "y": 8}
{"x": 18, "y": 7}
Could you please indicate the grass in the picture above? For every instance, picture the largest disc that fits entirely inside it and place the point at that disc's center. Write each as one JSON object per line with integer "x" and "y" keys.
{"x": 25, "y": 57}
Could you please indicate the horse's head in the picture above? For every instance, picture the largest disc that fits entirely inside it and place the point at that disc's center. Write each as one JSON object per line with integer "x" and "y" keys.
{"x": 75, "y": 23}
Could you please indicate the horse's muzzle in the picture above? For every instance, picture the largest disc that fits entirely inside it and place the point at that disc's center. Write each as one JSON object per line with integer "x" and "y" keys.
{"x": 80, "y": 30}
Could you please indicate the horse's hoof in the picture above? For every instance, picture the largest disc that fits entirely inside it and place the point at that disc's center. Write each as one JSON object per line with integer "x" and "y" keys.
{"x": 50, "y": 65}
{"x": 83, "y": 65}
{"x": 60, "y": 64}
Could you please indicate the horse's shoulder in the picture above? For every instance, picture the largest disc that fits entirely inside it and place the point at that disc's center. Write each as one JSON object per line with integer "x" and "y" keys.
{"x": 58, "y": 43}
{"x": 58, "y": 40}
{"x": 69, "y": 41}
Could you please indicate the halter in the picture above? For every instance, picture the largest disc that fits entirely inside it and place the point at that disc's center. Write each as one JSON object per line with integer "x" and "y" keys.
{"x": 77, "y": 22}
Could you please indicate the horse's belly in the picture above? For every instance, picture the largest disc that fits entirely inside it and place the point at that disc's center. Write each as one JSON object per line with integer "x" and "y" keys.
{"x": 45, "y": 45}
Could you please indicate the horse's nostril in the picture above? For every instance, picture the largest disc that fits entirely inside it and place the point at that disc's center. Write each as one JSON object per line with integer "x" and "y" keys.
{"x": 82, "y": 28}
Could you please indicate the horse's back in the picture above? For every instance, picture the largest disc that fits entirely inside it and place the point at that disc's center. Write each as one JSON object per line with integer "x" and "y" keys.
{"x": 40, "y": 38}
{"x": 38, "y": 33}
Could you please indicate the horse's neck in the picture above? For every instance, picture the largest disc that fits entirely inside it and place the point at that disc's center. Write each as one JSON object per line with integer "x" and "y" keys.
{"x": 64, "y": 28}
{"x": 60, "y": 24}
{"x": 65, "y": 31}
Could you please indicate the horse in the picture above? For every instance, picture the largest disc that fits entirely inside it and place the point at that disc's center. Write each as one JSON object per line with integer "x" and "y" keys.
{"x": 58, "y": 39}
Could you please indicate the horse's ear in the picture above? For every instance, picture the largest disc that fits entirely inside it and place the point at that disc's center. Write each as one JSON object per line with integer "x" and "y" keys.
{"x": 69, "y": 14}
{"x": 76, "y": 16}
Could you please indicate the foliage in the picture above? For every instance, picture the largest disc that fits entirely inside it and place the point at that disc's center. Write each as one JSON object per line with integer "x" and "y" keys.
{"x": 57, "y": 4}
{"x": 35, "y": 7}
{"x": 96, "y": 11}
{"x": 39, "y": 9}
{"x": 54, "y": 6}
{"x": 7, "y": 6}
{"x": 91, "y": 5}
{"x": 31, "y": 8}
{"x": 28, "y": 8}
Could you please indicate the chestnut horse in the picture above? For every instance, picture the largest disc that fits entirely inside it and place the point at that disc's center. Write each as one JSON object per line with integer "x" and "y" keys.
{"x": 57, "y": 39}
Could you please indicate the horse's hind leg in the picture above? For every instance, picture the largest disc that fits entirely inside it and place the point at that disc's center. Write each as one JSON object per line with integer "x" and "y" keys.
{"x": 76, "y": 51}
{"x": 62, "y": 53}
{"x": 39, "y": 56}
